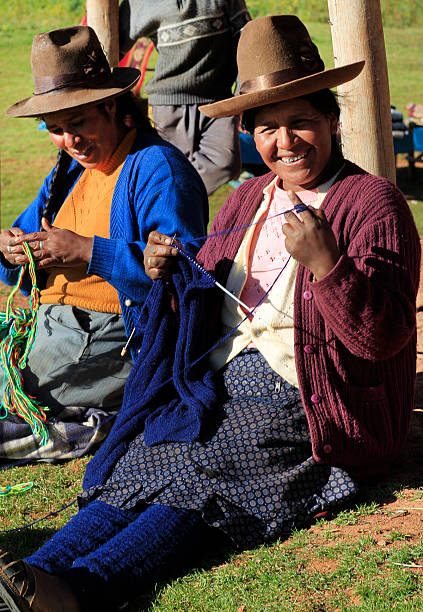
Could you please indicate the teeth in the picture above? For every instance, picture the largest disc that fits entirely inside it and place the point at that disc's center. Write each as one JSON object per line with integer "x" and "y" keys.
{"x": 295, "y": 158}
{"x": 81, "y": 153}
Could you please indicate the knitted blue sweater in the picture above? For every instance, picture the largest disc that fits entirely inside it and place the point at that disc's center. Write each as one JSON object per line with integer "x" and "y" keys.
{"x": 168, "y": 394}
{"x": 157, "y": 188}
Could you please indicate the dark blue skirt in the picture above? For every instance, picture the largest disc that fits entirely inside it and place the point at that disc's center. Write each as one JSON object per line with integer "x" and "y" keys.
{"x": 252, "y": 474}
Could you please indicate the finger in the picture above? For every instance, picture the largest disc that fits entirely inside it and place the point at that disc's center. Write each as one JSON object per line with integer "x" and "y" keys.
{"x": 21, "y": 259}
{"x": 46, "y": 225}
{"x": 15, "y": 231}
{"x": 318, "y": 212}
{"x": 13, "y": 249}
{"x": 47, "y": 262}
{"x": 157, "y": 262}
{"x": 288, "y": 229}
{"x": 160, "y": 251}
{"x": 294, "y": 197}
{"x": 299, "y": 205}
{"x": 292, "y": 219}
{"x": 156, "y": 237}
{"x": 34, "y": 236}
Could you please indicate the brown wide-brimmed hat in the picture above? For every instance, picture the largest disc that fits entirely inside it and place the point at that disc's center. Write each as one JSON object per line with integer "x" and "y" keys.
{"x": 277, "y": 61}
{"x": 69, "y": 70}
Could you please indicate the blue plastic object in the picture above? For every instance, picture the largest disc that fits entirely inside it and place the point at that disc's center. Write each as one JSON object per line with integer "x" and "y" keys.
{"x": 249, "y": 153}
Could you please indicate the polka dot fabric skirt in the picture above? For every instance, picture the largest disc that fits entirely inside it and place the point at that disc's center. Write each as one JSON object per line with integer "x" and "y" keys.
{"x": 252, "y": 474}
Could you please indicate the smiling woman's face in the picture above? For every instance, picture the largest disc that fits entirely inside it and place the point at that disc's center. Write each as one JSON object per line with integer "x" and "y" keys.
{"x": 294, "y": 140}
{"x": 89, "y": 134}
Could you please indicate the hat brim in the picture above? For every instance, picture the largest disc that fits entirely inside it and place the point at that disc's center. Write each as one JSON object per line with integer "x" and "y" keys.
{"x": 120, "y": 81}
{"x": 294, "y": 89}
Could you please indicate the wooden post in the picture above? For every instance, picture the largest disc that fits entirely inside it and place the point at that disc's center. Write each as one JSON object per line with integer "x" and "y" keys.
{"x": 366, "y": 124}
{"x": 103, "y": 17}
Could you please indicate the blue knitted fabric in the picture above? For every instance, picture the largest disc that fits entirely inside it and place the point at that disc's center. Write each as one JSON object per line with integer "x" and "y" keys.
{"x": 108, "y": 555}
{"x": 165, "y": 394}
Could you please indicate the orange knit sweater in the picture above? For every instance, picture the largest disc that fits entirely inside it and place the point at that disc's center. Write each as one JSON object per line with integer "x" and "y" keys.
{"x": 86, "y": 211}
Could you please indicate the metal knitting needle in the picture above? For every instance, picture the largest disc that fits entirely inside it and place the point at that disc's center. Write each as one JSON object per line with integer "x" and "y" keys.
{"x": 125, "y": 348}
{"x": 231, "y": 295}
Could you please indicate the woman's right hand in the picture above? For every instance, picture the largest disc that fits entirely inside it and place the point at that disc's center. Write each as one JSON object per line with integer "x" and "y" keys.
{"x": 9, "y": 248}
{"x": 158, "y": 255}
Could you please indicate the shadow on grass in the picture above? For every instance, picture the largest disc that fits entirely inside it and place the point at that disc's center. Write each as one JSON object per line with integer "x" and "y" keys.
{"x": 23, "y": 542}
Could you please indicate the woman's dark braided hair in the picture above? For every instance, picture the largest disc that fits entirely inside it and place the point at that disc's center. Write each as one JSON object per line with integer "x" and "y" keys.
{"x": 131, "y": 110}
{"x": 59, "y": 173}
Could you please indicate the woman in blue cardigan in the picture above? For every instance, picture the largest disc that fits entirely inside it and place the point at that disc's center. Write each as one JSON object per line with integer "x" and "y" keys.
{"x": 114, "y": 182}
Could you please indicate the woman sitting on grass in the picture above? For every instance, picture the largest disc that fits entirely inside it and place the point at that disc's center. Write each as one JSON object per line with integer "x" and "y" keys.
{"x": 313, "y": 373}
{"x": 114, "y": 182}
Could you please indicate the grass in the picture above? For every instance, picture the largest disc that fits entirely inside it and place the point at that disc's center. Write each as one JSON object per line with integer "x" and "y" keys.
{"x": 341, "y": 564}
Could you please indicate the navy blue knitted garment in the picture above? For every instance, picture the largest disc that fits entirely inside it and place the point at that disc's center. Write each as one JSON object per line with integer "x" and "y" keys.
{"x": 164, "y": 393}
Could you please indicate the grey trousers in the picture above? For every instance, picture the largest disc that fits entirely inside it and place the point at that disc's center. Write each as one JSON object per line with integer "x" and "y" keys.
{"x": 76, "y": 370}
{"x": 211, "y": 145}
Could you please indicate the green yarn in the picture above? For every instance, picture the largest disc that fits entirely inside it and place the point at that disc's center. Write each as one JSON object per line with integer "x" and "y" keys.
{"x": 18, "y": 328}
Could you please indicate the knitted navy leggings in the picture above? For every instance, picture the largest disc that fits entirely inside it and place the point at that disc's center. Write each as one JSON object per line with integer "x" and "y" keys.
{"x": 109, "y": 556}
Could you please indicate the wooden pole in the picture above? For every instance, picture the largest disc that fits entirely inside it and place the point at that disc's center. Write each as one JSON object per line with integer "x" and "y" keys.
{"x": 103, "y": 17}
{"x": 366, "y": 124}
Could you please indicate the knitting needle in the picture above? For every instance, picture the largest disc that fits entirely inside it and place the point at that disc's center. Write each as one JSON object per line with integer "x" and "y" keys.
{"x": 125, "y": 348}
{"x": 231, "y": 295}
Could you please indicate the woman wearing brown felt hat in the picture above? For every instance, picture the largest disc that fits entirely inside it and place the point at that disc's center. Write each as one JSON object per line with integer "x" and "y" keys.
{"x": 313, "y": 353}
{"x": 114, "y": 181}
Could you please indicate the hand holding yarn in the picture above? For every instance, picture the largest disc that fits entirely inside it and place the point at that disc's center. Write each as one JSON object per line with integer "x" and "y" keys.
{"x": 310, "y": 239}
{"x": 55, "y": 246}
{"x": 8, "y": 246}
{"x": 158, "y": 255}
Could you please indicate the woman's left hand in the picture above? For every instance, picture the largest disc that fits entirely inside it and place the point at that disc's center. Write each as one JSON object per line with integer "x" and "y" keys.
{"x": 310, "y": 239}
{"x": 55, "y": 246}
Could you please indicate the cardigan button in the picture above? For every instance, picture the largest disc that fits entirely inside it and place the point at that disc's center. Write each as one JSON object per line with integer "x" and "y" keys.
{"x": 307, "y": 295}
{"x": 327, "y": 449}
{"x": 309, "y": 349}
{"x": 315, "y": 398}
{"x": 128, "y": 302}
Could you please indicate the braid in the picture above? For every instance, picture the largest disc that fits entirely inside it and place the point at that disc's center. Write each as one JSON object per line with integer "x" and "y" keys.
{"x": 59, "y": 172}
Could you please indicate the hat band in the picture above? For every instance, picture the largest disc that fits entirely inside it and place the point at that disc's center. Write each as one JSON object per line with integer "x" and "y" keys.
{"x": 271, "y": 79}
{"x": 48, "y": 84}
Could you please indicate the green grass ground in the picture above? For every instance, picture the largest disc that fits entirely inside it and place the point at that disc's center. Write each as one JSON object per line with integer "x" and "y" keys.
{"x": 369, "y": 557}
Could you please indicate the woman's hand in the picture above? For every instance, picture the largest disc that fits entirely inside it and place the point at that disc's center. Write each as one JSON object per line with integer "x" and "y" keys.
{"x": 310, "y": 239}
{"x": 158, "y": 255}
{"x": 8, "y": 245}
{"x": 55, "y": 246}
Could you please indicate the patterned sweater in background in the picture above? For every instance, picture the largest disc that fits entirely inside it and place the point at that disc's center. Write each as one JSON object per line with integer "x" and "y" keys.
{"x": 196, "y": 42}
{"x": 355, "y": 329}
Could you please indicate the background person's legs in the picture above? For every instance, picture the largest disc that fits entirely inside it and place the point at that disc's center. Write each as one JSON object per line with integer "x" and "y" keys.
{"x": 211, "y": 145}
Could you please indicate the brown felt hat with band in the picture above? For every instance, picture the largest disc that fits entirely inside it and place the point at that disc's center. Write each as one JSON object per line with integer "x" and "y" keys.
{"x": 277, "y": 61}
{"x": 69, "y": 70}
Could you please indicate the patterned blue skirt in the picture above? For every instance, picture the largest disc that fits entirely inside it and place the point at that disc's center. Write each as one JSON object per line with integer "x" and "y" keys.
{"x": 252, "y": 474}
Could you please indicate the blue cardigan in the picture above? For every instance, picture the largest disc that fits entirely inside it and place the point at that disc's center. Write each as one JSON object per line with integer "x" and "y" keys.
{"x": 157, "y": 188}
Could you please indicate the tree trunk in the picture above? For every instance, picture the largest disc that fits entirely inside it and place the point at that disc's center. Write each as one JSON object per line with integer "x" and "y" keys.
{"x": 366, "y": 124}
{"x": 103, "y": 17}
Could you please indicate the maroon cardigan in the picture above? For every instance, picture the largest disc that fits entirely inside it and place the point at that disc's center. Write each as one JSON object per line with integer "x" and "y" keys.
{"x": 355, "y": 329}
